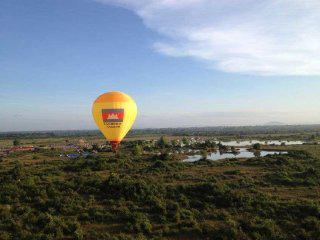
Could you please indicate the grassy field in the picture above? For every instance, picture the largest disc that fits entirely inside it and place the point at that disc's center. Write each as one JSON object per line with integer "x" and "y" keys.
{"x": 137, "y": 194}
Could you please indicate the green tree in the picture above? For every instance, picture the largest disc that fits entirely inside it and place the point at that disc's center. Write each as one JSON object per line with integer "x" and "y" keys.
{"x": 210, "y": 144}
{"x": 95, "y": 147}
{"x": 204, "y": 155}
{"x": 185, "y": 140}
{"x": 17, "y": 171}
{"x": 174, "y": 142}
{"x": 312, "y": 137}
{"x": 16, "y": 142}
{"x": 141, "y": 223}
{"x": 222, "y": 148}
{"x": 234, "y": 150}
{"x": 256, "y": 146}
{"x": 137, "y": 150}
{"x": 165, "y": 156}
{"x": 257, "y": 153}
{"x": 163, "y": 142}
{"x": 78, "y": 234}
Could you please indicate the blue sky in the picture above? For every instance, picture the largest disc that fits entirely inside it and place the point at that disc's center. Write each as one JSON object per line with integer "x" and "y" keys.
{"x": 186, "y": 63}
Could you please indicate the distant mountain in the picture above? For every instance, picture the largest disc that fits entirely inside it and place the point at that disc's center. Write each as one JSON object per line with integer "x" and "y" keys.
{"x": 274, "y": 124}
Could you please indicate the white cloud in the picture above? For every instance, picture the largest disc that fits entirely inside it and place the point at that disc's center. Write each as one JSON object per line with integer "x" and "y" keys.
{"x": 269, "y": 37}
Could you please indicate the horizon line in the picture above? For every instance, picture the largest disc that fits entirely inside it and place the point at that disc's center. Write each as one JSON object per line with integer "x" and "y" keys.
{"x": 151, "y": 128}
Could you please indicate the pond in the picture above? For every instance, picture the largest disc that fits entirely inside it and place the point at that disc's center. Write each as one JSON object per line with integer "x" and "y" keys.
{"x": 242, "y": 153}
{"x": 269, "y": 142}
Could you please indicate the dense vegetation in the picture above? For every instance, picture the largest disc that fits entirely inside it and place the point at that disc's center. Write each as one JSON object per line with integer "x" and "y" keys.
{"x": 137, "y": 195}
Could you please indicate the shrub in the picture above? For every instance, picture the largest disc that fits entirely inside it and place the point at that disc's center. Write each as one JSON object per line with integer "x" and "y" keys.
{"x": 256, "y": 146}
{"x": 139, "y": 223}
{"x": 137, "y": 150}
{"x": 163, "y": 142}
{"x": 16, "y": 142}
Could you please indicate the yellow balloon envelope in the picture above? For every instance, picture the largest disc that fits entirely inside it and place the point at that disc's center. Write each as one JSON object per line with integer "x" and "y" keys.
{"x": 114, "y": 114}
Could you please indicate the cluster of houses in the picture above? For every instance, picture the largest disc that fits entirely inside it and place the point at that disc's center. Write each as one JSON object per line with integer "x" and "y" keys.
{"x": 14, "y": 149}
{"x": 77, "y": 148}
{"x": 77, "y": 155}
{"x": 84, "y": 149}
{"x": 80, "y": 150}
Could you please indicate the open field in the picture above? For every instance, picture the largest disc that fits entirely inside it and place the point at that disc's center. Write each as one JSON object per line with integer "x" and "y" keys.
{"x": 142, "y": 192}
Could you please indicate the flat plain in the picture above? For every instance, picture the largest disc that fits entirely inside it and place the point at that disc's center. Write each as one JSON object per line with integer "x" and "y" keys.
{"x": 75, "y": 187}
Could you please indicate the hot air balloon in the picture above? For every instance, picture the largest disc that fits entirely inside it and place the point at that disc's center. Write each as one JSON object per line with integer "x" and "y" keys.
{"x": 114, "y": 114}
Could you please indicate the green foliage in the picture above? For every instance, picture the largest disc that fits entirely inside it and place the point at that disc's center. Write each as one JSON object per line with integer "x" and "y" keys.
{"x": 139, "y": 223}
{"x": 163, "y": 142}
{"x": 233, "y": 149}
{"x": 233, "y": 172}
{"x": 95, "y": 147}
{"x": 18, "y": 171}
{"x": 185, "y": 140}
{"x": 160, "y": 166}
{"x": 204, "y": 154}
{"x": 222, "y": 148}
{"x": 16, "y": 142}
{"x": 129, "y": 189}
{"x": 256, "y": 146}
{"x": 165, "y": 156}
{"x": 137, "y": 150}
{"x": 149, "y": 196}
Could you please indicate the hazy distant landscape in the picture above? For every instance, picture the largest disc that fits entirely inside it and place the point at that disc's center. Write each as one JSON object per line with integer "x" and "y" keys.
{"x": 211, "y": 131}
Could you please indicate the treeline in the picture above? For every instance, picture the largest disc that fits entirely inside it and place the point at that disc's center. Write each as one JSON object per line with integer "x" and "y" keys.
{"x": 48, "y": 134}
{"x": 232, "y": 130}
{"x": 236, "y": 131}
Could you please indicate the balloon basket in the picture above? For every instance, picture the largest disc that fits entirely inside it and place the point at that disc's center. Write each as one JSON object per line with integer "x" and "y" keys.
{"x": 114, "y": 145}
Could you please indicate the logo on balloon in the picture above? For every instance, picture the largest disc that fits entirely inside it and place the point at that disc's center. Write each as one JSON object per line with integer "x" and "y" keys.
{"x": 112, "y": 115}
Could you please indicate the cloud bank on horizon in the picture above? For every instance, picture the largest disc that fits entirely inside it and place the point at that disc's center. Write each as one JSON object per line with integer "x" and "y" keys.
{"x": 270, "y": 37}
